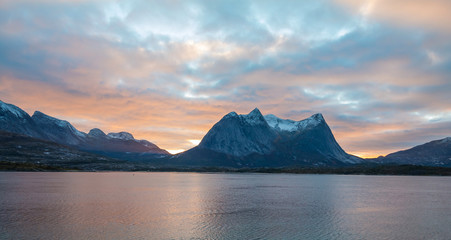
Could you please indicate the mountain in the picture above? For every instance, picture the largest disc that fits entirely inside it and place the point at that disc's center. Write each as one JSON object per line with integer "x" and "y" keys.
{"x": 16, "y": 149}
{"x": 122, "y": 142}
{"x": 240, "y": 135}
{"x": 308, "y": 142}
{"x": 254, "y": 140}
{"x": 14, "y": 119}
{"x": 57, "y": 130}
{"x": 45, "y": 127}
{"x": 121, "y": 135}
{"x": 434, "y": 153}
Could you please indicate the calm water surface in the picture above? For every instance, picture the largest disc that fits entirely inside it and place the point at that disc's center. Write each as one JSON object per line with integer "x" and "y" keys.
{"x": 222, "y": 206}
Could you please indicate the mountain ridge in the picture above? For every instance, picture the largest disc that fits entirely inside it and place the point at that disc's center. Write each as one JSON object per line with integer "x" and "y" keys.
{"x": 249, "y": 140}
{"x": 433, "y": 153}
{"x": 43, "y": 126}
{"x": 236, "y": 140}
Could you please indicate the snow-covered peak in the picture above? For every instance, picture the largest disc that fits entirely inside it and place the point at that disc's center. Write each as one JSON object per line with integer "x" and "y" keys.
{"x": 12, "y": 109}
{"x": 254, "y": 117}
{"x": 291, "y": 125}
{"x": 121, "y": 135}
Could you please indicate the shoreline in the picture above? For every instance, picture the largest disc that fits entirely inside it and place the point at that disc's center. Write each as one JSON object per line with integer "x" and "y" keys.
{"x": 391, "y": 170}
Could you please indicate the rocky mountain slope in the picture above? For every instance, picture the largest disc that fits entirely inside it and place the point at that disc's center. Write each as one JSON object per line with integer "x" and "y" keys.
{"x": 240, "y": 135}
{"x": 254, "y": 140}
{"x": 434, "y": 153}
{"x": 14, "y": 119}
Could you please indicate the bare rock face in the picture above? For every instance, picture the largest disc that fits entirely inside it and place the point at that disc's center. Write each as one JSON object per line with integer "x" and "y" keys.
{"x": 240, "y": 135}
{"x": 253, "y": 140}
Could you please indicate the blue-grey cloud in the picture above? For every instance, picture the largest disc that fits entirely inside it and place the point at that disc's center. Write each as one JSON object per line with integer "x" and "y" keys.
{"x": 150, "y": 61}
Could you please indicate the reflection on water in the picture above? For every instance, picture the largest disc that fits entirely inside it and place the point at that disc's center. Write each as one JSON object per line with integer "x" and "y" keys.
{"x": 222, "y": 206}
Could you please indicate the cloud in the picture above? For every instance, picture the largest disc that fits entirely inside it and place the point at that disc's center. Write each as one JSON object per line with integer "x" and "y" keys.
{"x": 426, "y": 15}
{"x": 167, "y": 71}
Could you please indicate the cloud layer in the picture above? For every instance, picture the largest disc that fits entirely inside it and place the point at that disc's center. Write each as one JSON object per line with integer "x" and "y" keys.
{"x": 167, "y": 71}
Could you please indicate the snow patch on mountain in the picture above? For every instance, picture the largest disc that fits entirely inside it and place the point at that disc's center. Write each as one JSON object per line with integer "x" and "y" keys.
{"x": 291, "y": 125}
{"x": 121, "y": 135}
{"x": 281, "y": 124}
{"x": 12, "y": 109}
{"x": 42, "y": 118}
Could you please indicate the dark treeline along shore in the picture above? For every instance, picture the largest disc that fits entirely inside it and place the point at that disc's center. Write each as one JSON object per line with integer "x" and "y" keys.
{"x": 237, "y": 143}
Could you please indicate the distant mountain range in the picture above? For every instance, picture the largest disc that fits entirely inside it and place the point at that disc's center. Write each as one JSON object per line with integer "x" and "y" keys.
{"x": 239, "y": 141}
{"x": 434, "y": 153}
{"x": 16, "y": 149}
{"x": 42, "y": 126}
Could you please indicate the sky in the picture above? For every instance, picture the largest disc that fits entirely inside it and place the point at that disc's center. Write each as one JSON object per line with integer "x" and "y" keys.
{"x": 166, "y": 71}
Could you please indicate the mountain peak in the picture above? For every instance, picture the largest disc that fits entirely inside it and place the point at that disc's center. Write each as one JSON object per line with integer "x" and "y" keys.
{"x": 41, "y": 115}
{"x": 255, "y": 112}
{"x": 318, "y": 117}
{"x": 12, "y": 109}
{"x": 254, "y": 117}
{"x": 97, "y": 133}
{"x": 231, "y": 114}
{"x": 240, "y": 135}
{"x": 121, "y": 135}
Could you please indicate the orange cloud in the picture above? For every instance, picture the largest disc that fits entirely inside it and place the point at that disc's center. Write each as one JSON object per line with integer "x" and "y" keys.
{"x": 429, "y": 14}
{"x": 367, "y": 84}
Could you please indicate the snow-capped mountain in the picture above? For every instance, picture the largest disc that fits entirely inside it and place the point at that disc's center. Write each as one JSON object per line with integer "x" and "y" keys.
{"x": 309, "y": 141}
{"x": 121, "y": 135}
{"x": 100, "y": 142}
{"x": 15, "y": 120}
{"x": 57, "y": 130}
{"x": 240, "y": 135}
{"x": 253, "y": 140}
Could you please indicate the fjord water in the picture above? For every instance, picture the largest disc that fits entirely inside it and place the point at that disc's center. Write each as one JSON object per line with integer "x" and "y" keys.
{"x": 128, "y": 205}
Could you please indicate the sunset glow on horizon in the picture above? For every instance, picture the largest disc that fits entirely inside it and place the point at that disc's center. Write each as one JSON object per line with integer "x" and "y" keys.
{"x": 166, "y": 71}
